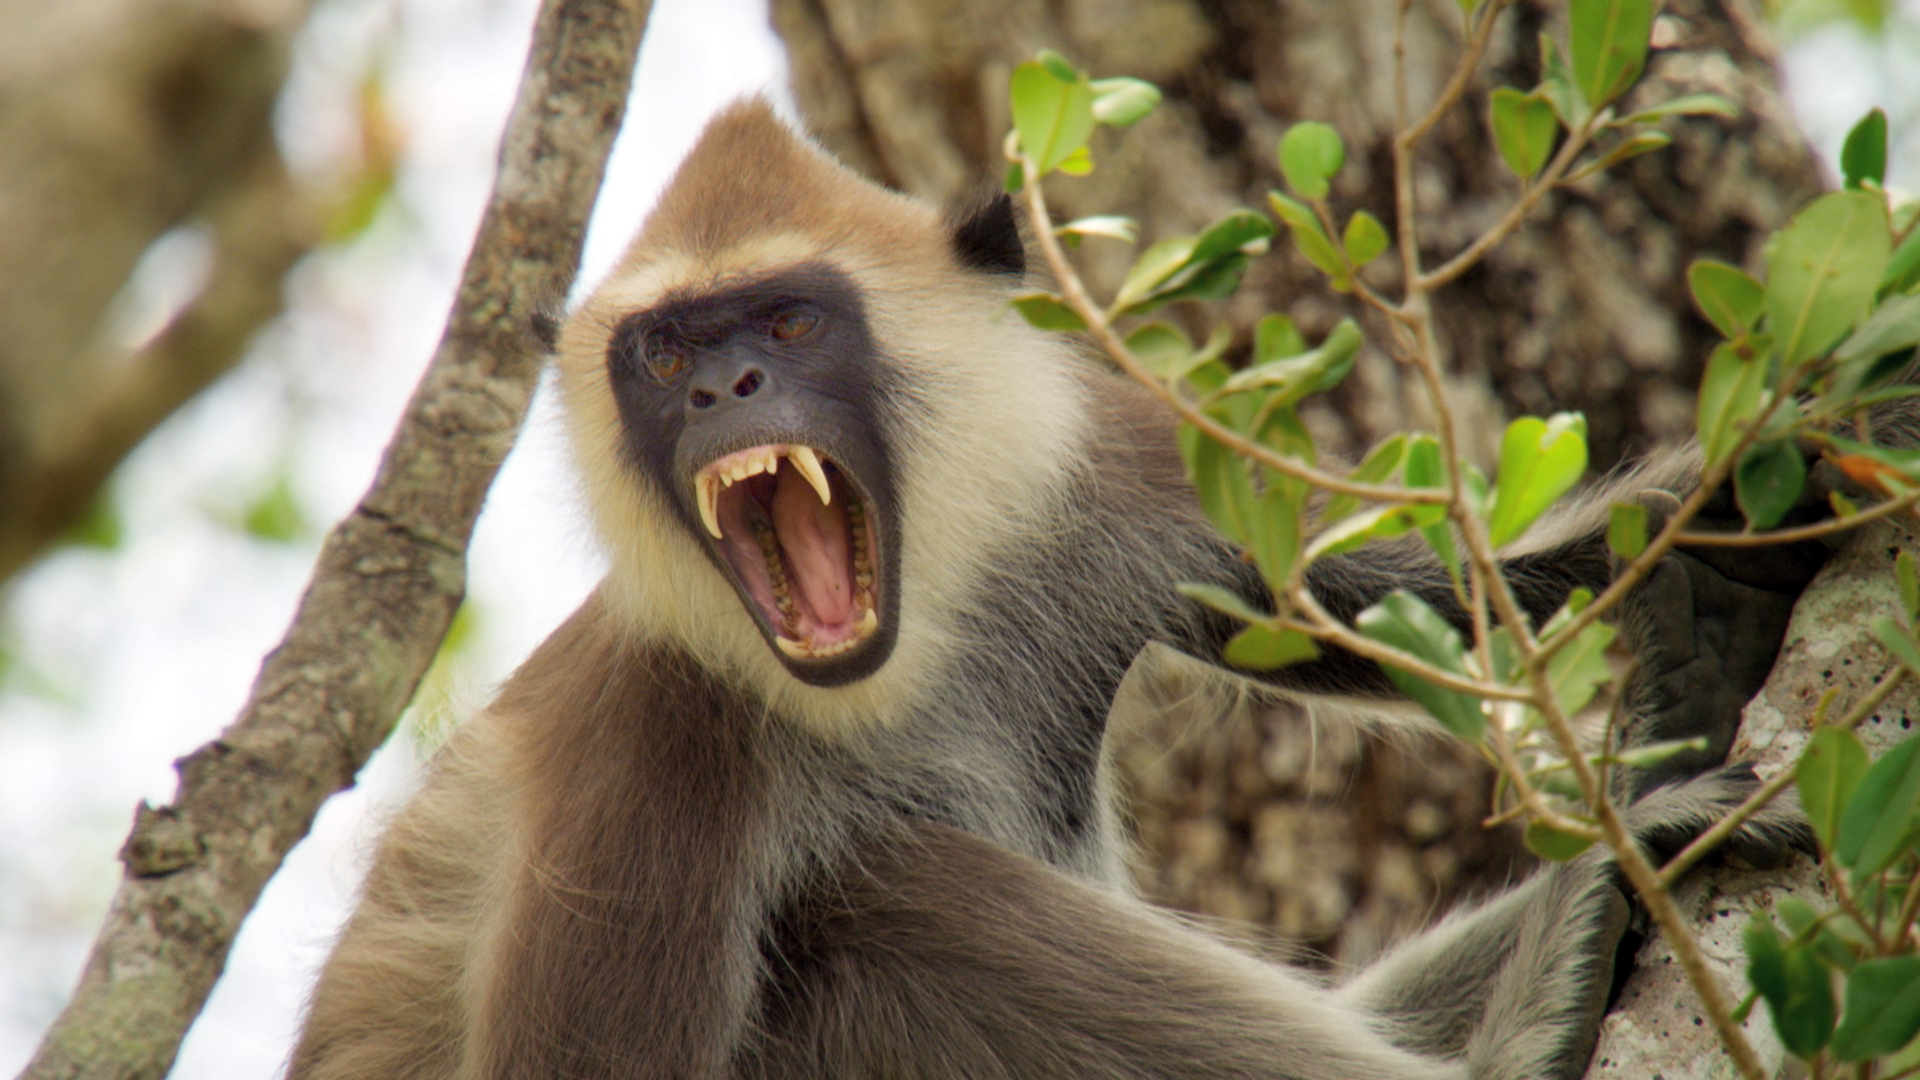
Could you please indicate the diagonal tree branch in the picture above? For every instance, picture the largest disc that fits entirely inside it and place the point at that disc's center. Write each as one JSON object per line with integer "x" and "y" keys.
{"x": 388, "y": 581}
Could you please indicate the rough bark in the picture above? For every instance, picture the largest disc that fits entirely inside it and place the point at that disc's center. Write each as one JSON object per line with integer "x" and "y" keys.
{"x": 1342, "y": 844}
{"x": 123, "y": 119}
{"x": 388, "y": 581}
{"x": 1657, "y": 1027}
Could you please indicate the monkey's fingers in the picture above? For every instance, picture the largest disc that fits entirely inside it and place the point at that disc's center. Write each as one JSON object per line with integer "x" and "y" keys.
{"x": 1706, "y": 643}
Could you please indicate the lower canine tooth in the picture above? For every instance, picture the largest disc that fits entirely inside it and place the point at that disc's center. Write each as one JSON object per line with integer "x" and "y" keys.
{"x": 868, "y": 623}
{"x": 791, "y": 648}
{"x": 808, "y": 463}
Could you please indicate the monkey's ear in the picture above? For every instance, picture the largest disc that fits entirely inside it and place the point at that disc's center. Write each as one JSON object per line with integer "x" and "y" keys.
{"x": 986, "y": 236}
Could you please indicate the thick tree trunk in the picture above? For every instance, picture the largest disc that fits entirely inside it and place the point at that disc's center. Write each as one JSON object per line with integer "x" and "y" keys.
{"x": 1336, "y": 841}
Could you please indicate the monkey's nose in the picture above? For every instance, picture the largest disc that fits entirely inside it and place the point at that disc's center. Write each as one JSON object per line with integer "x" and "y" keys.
{"x": 706, "y": 393}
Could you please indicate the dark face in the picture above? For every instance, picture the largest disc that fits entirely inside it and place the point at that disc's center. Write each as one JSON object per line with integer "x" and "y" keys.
{"x": 762, "y": 408}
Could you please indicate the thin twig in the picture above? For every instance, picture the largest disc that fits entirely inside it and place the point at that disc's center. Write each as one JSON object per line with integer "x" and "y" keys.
{"x": 1516, "y": 214}
{"x": 1074, "y": 292}
{"x": 1323, "y": 625}
{"x": 1815, "y": 531}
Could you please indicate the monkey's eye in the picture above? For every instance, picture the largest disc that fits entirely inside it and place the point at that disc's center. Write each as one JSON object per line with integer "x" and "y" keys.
{"x": 666, "y": 358}
{"x": 792, "y": 325}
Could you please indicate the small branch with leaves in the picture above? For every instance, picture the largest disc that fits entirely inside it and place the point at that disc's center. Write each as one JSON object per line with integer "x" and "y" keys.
{"x": 1809, "y": 354}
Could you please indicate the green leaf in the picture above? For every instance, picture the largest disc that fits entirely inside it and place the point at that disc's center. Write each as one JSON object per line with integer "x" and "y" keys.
{"x": 1893, "y": 327}
{"x": 1221, "y": 481}
{"x": 1685, "y": 105}
{"x": 1215, "y": 280}
{"x": 1648, "y": 755}
{"x": 1540, "y": 460}
{"x": 1365, "y": 238}
{"x": 1828, "y": 771}
{"x": 1349, "y": 533}
{"x": 1310, "y": 154}
{"x": 1607, "y": 41}
{"x": 1883, "y": 1008}
{"x": 1553, "y": 845}
{"x": 1424, "y": 466}
{"x": 1259, "y": 648}
{"x": 1275, "y": 336}
{"x": 1768, "y": 480}
{"x": 1274, "y": 533}
{"x": 275, "y": 515}
{"x": 1310, "y": 238}
{"x": 1224, "y": 601}
{"x": 1294, "y": 377}
{"x": 1375, "y": 468}
{"x": 1823, "y": 269}
{"x": 1730, "y": 299}
{"x": 1057, "y": 65}
{"x": 1879, "y": 817}
{"x": 1152, "y": 269}
{"x": 1405, "y": 622}
{"x": 1863, "y": 158}
{"x": 1045, "y": 311}
{"x": 1162, "y": 348}
{"x": 1524, "y": 128}
{"x": 1642, "y": 142}
{"x": 1730, "y": 395}
{"x": 1053, "y": 112}
{"x": 1627, "y": 530}
{"x": 1123, "y": 102}
{"x": 1239, "y": 231}
{"x": 1798, "y": 990}
{"x": 1580, "y": 669}
{"x": 1110, "y": 226}
{"x": 1558, "y": 87}
{"x": 1903, "y": 270}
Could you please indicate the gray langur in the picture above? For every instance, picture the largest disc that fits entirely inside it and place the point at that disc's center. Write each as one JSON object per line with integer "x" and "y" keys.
{"x": 813, "y": 784}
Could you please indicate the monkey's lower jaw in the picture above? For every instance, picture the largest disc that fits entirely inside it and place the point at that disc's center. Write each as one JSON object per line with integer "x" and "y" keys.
{"x": 800, "y": 544}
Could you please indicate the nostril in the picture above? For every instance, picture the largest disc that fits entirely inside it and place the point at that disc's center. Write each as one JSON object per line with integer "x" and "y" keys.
{"x": 747, "y": 384}
{"x": 701, "y": 399}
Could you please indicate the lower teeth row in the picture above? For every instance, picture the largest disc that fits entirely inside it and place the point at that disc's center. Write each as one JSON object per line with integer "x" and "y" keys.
{"x": 777, "y": 572}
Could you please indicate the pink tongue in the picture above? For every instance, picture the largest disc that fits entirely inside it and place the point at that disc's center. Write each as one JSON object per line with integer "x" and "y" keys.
{"x": 814, "y": 537}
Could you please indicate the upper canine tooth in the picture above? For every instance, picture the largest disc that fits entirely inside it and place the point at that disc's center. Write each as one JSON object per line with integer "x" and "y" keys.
{"x": 808, "y": 463}
{"x": 707, "y": 491}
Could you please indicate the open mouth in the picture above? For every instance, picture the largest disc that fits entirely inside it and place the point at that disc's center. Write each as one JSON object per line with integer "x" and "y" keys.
{"x": 797, "y": 534}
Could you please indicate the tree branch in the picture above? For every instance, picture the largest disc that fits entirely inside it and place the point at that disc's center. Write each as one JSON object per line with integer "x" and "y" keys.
{"x": 388, "y": 581}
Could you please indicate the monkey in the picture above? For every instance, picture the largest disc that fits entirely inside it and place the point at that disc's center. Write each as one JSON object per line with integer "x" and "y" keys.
{"x": 813, "y": 784}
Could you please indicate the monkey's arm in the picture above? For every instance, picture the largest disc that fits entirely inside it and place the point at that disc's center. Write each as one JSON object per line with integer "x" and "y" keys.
{"x": 940, "y": 954}
{"x": 390, "y": 1002}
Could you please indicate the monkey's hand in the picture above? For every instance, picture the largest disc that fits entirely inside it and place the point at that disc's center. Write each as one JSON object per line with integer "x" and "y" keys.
{"x": 1707, "y": 625}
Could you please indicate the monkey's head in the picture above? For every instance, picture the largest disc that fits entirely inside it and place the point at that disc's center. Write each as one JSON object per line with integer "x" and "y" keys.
{"x": 814, "y": 387}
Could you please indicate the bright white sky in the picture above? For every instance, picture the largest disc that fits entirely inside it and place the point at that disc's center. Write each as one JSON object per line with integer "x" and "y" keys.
{"x": 131, "y": 658}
